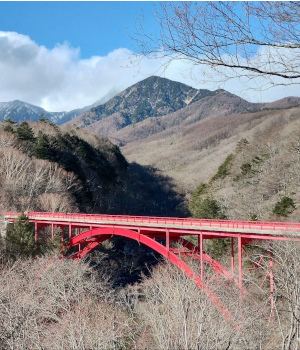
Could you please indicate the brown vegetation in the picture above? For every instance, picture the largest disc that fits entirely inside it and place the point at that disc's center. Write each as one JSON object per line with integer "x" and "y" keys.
{"x": 51, "y": 303}
{"x": 47, "y": 168}
{"x": 54, "y": 303}
{"x": 192, "y": 154}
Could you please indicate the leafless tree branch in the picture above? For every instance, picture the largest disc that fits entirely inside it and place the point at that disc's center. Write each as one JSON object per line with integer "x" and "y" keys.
{"x": 234, "y": 39}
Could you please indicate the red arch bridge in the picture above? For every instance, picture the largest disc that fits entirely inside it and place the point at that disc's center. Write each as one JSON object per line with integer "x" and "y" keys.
{"x": 84, "y": 232}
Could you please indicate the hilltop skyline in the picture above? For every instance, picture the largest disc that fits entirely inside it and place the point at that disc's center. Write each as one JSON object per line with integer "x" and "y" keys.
{"x": 66, "y": 55}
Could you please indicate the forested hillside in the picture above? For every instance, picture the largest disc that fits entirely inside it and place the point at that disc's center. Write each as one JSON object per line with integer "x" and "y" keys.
{"x": 258, "y": 156}
{"x": 46, "y": 168}
{"x": 258, "y": 175}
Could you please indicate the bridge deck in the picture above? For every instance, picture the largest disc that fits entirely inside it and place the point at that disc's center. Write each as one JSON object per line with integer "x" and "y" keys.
{"x": 191, "y": 225}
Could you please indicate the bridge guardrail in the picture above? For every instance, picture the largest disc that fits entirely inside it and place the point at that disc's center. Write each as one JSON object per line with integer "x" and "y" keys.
{"x": 260, "y": 225}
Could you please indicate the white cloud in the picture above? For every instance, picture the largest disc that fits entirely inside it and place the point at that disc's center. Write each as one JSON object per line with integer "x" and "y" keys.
{"x": 58, "y": 79}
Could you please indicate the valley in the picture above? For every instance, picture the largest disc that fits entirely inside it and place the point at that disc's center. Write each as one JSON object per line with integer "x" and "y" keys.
{"x": 184, "y": 135}
{"x": 150, "y": 175}
{"x": 150, "y": 151}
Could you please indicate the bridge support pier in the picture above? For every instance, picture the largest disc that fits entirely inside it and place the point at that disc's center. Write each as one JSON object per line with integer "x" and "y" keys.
{"x": 240, "y": 252}
{"x": 70, "y": 231}
{"x": 36, "y": 235}
{"x": 271, "y": 280}
{"x": 200, "y": 246}
{"x": 167, "y": 240}
{"x": 232, "y": 256}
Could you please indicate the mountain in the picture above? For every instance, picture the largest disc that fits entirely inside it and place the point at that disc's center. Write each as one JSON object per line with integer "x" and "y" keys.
{"x": 152, "y": 97}
{"x": 263, "y": 150}
{"x": 157, "y": 104}
{"x": 76, "y": 112}
{"x": 20, "y": 111}
{"x": 221, "y": 103}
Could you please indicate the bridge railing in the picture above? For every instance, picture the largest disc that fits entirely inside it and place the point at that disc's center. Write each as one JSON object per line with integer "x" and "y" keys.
{"x": 259, "y": 225}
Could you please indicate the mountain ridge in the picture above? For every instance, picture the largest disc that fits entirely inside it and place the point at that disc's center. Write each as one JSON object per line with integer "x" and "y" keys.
{"x": 121, "y": 116}
{"x": 133, "y": 113}
{"x": 153, "y": 96}
{"x": 20, "y": 111}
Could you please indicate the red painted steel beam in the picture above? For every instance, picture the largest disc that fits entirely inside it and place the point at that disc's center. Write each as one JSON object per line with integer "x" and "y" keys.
{"x": 171, "y": 229}
{"x": 216, "y": 265}
{"x": 225, "y": 224}
{"x": 176, "y": 226}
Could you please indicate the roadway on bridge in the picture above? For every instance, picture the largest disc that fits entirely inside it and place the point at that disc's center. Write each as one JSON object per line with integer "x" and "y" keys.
{"x": 181, "y": 224}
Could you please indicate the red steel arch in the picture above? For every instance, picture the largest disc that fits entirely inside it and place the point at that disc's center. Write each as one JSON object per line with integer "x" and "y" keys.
{"x": 92, "y": 238}
{"x": 147, "y": 229}
{"x": 91, "y": 242}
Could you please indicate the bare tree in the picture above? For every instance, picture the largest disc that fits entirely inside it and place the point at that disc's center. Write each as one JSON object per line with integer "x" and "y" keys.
{"x": 8, "y": 139}
{"x": 50, "y": 303}
{"x": 173, "y": 313}
{"x": 286, "y": 296}
{"x": 56, "y": 202}
{"x": 235, "y": 39}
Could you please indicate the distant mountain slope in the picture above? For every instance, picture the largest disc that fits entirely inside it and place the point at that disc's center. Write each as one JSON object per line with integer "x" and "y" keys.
{"x": 152, "y": 97}
{"x": 156, "y": 104}
{"x": 222, "y": 103}
{"x": 286, "y": 102}
{"x": 264, "y": 169}
{"x": 76, "y": 112}
{"x": 20, "y": 111}
{"x": 258, "y": 167}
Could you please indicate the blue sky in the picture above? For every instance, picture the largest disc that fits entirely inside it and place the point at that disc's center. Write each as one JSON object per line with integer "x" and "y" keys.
{"x": 67, "y": 55}
{"x": 97, "y": 27}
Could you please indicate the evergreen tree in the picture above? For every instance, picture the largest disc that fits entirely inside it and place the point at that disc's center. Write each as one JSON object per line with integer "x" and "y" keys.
{"x": 24, "y": 132}
{"x": 207, "y": 208}
{"x": 20, "y": 239}
{"x": 9, "y": 125}
{"x": 42, "y": 147}
{"x": 43, "y": 119}
{"x": 9, "y": 121}
{"x": 8, "y": 128}
{"x": 224, "y": 168}
{"x": 199, "y": 191}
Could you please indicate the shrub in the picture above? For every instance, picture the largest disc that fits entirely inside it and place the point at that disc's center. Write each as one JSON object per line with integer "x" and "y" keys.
{"x": 284, "y": 207}
{"x": 246, "y": 169}
{"x": 208, "y": 208}
{"x": 240, "y": 145}
{"x": 253, "y": 217}
{"x": 223, "y": 169}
